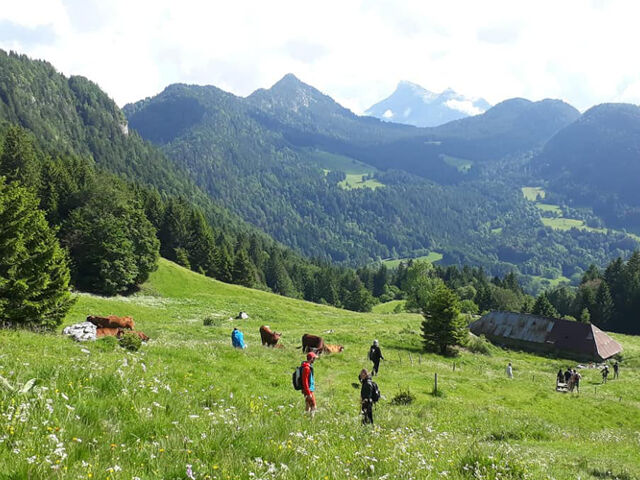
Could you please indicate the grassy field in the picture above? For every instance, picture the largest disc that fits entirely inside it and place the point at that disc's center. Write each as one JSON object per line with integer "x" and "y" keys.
{"x": 545, "y": 207}
{"x": 388, "y": 307}
{"x": 354, "y": 180}
{"x": 462, "y": 164}
{"x": 531, "y": 193}
{"x": 188, "y": 398}
{"x": 394, "y": 262}
{"x": 354, "y": 169}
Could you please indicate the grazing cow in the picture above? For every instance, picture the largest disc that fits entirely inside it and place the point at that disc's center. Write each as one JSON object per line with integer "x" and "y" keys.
{"x": 109, "y": 332}
{"x": 328, "y": 348}
{"x": 112, "y": 322}
{"x": 312, "y": 343}
{"x": 268, "y": 337}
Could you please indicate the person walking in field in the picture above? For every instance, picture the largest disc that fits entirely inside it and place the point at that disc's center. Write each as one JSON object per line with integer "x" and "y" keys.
{"x": 567, "y": 376}
{"x": 560, "y": 377}
{"x": 605, "y": 374}
{"x": 375, "y": 355}
{"x": 237, "y": 339}
{"x": 309, "y": 384}
{"x": 616, "y": 367}
{"x": 575, "y": 380}
{"x": 366, "y": 397}
{"x": 509, "y": 370}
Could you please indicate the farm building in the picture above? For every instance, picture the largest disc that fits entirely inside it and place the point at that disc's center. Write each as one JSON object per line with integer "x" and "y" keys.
{"x": 582, "y": 341}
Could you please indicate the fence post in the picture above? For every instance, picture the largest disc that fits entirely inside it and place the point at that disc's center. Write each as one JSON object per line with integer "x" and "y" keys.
{"x": 435, "y": 383}
{"x": 411, "y": 359}
{"x": 454, "y": 366}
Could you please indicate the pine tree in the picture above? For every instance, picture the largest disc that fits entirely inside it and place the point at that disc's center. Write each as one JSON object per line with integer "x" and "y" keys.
{"x": 34, "y": 272}
{"x": 18, "y": 161}
{"x": 604, "y": 306}
{"x": 543, "y": 307}
{"x": 113, "y": 245}
{"x": 243, "y": 272}
{"x": 380, "y": 280}
{"x": 443, "y": 326}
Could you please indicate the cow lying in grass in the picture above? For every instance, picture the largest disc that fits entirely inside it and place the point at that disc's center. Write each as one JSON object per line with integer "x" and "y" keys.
{"x": 119, "y": 332}
{"x": 112, "y": 322}
{"x": 314, "y": 343}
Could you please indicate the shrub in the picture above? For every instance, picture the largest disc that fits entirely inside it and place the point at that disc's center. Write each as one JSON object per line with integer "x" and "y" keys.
{"x": 210, "y": 321}
{"x": 131, "y": 342}
{"x": 403, "y": 398}
{"x": 107, "y": 344}
{"x": 479, "y": 345}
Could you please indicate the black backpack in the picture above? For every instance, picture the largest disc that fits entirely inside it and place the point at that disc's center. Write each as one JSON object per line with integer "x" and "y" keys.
{"x": 375, "y": 391}
{"x": 296, "y": 378}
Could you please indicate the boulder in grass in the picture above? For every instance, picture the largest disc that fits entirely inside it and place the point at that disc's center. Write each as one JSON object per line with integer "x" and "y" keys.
{"x": 81, "y": 332}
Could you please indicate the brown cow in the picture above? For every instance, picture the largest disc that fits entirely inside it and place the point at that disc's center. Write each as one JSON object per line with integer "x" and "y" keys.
{"x": 112, "y": 322}
{"x": 119, "y": 332}
{"x": 268, "y": 337}
{"x": 312, "y": 343}
{"x": 109, "y": 332}
{"x": 329, "y": 348}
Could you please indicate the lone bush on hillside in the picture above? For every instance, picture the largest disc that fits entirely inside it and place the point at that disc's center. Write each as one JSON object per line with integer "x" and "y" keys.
{"x": 479, "y": 345}
{"x": 131, "y": 342}
{"x": 403, "y": 398}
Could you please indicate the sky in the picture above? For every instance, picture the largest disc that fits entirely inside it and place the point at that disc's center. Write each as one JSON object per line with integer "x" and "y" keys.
{"x": 583, "y": 52}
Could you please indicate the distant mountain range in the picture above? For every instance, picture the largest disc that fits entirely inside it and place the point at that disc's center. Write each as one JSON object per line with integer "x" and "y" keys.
{"x": 354, "y": 189}
{"x": 412, "y": 104}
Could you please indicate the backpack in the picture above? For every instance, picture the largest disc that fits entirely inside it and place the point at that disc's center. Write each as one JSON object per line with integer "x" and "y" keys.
{"x": 375, "y": 392}
{"x": 296, "y": 378}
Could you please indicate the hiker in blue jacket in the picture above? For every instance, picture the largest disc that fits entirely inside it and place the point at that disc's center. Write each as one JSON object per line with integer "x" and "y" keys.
{"x": 237, "y": 338}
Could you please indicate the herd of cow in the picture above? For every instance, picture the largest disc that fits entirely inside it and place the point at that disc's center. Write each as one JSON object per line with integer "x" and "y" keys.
{"x": 117, "y": 326}
{"x": 310, "y": 343}
{"x": 113, "y": 326}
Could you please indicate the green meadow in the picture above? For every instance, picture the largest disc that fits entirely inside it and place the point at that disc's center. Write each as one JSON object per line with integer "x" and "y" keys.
{"x": 461, "y": 164}
{"x": 431, "y": 257}
{"x": 355, "y": 170}
{"x": 188, "y": 399}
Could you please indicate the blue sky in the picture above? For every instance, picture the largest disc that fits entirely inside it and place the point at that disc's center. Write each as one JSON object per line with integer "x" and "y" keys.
{"x": 355, "y": 51}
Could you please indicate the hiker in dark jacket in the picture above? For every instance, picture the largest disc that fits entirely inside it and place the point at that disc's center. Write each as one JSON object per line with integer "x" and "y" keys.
{"x": 375, "y": 355}
{"x": 616, "y": 367}
{"x": 567, "y": 376}
{"x": 560, "y": 377}
{"x": 366, "y": 397}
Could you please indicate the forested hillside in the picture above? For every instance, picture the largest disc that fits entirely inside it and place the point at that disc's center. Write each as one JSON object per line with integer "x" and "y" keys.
{"x": 595, "y": 162}
{"x": 280, "y": 157}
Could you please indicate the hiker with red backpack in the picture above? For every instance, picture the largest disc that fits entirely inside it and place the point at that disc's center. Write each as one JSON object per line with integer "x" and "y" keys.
{"x": 369, "y": 394}
{"x": 307, "y": 383}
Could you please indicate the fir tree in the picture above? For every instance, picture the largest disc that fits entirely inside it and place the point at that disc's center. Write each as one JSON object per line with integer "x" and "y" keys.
{"x": 543, "y": 307}
{"x": 34, "y": 273}
{"x": 443, "y": 326}
{"x": 18, "y": 161}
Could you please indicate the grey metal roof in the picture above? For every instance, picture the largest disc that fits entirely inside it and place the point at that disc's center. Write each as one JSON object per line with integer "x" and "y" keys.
{"x": 555, "y": 333}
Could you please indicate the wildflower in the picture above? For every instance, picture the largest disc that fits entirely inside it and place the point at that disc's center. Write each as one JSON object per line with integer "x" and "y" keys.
{"x": 190, "y": 474}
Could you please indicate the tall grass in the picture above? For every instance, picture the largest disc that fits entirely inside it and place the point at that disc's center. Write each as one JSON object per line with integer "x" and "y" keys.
{"x": 187, "y": 398}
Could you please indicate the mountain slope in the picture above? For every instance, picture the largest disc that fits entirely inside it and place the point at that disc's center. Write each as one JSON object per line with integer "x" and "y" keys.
{"x": 511, "y": 127}
{"x": 596, "y": 162}
{"x": 413, "y": 105}
{"x": 262, "y": 157}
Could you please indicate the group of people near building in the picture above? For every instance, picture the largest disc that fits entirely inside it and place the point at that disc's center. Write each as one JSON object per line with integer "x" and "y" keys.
{"x": 571, "y": 377}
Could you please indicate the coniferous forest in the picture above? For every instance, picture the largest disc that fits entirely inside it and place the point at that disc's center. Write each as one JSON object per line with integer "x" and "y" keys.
{"x": 225, "y": 177}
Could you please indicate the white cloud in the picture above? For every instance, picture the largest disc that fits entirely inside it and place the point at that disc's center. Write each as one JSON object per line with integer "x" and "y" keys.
{"x": 388, "y": 114}
{"x": 464, "y": 106}
{"x": 354, "y": 51}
